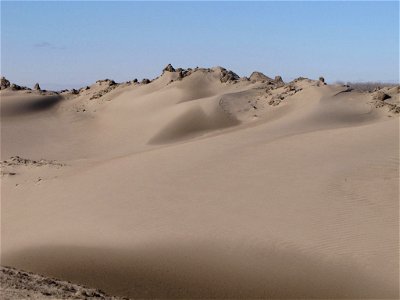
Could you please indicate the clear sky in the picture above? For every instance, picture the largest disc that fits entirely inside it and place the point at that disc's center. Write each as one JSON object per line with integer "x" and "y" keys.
{"x": 69, "y": 44}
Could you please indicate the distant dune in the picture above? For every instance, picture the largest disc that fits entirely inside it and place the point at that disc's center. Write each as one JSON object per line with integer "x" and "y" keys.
{"x": 200, "y": 183}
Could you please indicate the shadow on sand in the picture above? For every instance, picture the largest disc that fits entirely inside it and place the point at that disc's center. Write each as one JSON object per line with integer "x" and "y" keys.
{"x": 202, "y": 271}
{"x": 28, "y": 105}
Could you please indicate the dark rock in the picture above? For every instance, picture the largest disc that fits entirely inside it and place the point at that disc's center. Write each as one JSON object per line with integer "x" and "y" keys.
{"x": 82, "y": 89}
{"x": 228, "y": 76}
{"x": 15, "y": 87}
{"x": 37, "y": 87}
{"x": 321, "y": 81}
{"x": 135, "y": 80}
{"x": 4, "y": 83}
{"x": 300, "y": 79}
{"x": 278, "y": 79}
{"x": 107, "y": 81}
{"x": 146, "y": 81}
{"x": 169, "y": 68}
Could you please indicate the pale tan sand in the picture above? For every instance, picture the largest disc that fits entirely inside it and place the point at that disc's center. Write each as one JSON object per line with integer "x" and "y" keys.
{"x": 197, "y": 188}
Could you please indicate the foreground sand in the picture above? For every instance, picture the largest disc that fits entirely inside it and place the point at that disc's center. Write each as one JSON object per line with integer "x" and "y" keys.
{"x": 195, "y": 187}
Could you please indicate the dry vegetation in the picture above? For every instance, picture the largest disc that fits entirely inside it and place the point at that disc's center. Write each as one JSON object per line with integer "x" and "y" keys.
{"x": 367, "y": 86}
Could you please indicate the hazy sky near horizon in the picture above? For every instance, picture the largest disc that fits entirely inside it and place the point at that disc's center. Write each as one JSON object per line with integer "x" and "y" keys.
{"x": 70, "y": 44}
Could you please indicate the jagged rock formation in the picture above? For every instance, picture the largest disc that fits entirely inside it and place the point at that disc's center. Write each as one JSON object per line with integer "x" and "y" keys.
{"x": 37, "y": 87}
{"x": 15, "y": 87}
{"x": 4, "y": 83}
{"x": 169, "y": 68}
{"x": 228, "y": 76}
{"x": 183, "y": 73}
{"x": 7, "y": 84}
{"x": 279, "y": 81}
{"x": 258, "y": 76}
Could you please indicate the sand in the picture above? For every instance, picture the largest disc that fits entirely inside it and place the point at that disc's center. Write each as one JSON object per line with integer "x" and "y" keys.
{"x": 195, "y": 188}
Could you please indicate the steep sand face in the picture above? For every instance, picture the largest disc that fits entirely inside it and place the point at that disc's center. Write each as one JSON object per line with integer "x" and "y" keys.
{"x": 198, "y": 188}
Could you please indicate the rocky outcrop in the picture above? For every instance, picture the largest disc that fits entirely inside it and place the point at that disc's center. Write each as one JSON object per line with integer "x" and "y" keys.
{"x": 16, "y": 87}
{"x": 4, "y": 83}
{"x": 228, "y": 76}
{"x": 279, "y": 81}
{"x": 17, "y": 284}
{"x": 106, "y": 81}
{"x": 37, "y": 87}
{"x": 321, "y": 81}
{"x": 169, "y": 68}
{"x": 259, "y": 77}
{"x": 82, "y": 89}
{"x": 183, "y": 73}
{"x": 19, "y": 161}
{"x": 103, "y": 92}
{"x": 145, "y": 81}
{"x": 381, "y": 96}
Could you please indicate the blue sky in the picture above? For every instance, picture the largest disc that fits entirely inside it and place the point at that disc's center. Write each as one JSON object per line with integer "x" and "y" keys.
{"x": 70, "y": 44}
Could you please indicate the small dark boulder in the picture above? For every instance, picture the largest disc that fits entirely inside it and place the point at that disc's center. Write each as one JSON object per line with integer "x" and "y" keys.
{"x": 37, "y": 87}
{"x": 146, "y": 81}
{"x": 321, "y": 81}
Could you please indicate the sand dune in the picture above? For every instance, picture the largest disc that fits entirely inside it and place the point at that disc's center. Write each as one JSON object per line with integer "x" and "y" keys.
{"x": 203, "y": 184}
